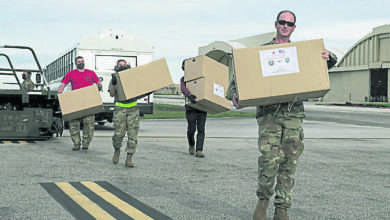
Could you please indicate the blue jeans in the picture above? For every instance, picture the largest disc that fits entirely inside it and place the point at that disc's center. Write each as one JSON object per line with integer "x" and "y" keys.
{"x": 196, "y": 121}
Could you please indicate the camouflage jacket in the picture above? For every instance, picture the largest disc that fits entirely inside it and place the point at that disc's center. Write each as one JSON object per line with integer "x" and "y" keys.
{"x": 28, "y": 84}
{"x": 114, "y": 88}
{"x": 293, "y": 106}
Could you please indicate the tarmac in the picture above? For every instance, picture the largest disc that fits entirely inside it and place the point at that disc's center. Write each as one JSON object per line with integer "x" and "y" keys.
{"x": 344, "y": 172}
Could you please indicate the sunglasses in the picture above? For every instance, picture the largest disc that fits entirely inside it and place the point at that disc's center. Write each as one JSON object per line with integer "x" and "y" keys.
{"x": 283, "y": 22}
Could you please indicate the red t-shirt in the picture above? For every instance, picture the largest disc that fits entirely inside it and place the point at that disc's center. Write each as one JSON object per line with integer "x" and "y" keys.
{"x": 80, "y": 79}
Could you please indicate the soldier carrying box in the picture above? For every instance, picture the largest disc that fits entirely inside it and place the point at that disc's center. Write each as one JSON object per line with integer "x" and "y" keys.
{"x": 126, "y": 119}
{"x": 81, "y": 78}
{"x": 280, "y": 135}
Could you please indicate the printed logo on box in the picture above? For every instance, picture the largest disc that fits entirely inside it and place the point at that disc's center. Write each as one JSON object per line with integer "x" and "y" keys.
{"x": 279, "y": 61}
{"x": 219, "y": 90}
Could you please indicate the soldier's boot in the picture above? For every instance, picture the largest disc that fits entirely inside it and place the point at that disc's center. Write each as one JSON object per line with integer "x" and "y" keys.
{"x": 75, "y": 148}
{"x": 261, "y": 209}
{"x": 129, "y": 162}
{"x": 191, "y": 150}
{"x": 115, "y": 157}
{"x": 199, "y": 154}
{"x": 281, "y": 214}
{"x": 85, "y": 147}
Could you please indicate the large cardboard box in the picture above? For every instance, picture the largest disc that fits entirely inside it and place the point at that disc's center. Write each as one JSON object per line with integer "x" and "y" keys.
{"x": 209, "y": 84}
{"x": 141, "y": 80}
{"x": 202, "y": 66}
{"x": 281, "y": 73}
{"x": 81, "y": 102}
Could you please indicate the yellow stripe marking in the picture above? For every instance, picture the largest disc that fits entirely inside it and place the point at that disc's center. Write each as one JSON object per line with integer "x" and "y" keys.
{"x": 115, "y": 201}
{"x": 7, "y": 142}
{"x": 84, "y": 202}
{"x": 22, "y": 142}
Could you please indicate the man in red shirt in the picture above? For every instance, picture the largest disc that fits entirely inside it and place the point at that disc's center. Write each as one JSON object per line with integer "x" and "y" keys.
{"x": 80, "y": 78}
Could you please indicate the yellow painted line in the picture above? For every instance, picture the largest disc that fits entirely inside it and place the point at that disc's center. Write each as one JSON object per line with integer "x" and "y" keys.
{"x": 7, "y": 142}
{"x": 115, "y": 201}
{"x": 84, "y": 202}
{"x": 22, "y": 142}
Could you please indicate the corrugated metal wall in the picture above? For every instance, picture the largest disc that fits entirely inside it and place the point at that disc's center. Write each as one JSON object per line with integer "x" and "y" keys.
{"x": 373, "y": 48}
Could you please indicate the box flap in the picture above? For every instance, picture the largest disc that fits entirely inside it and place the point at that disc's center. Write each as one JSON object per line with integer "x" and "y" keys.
{"x": 202, "y": 66}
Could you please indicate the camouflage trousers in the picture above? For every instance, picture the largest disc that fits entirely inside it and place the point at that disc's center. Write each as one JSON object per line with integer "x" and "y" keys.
{"x": 280, "y": 144}
{"x": 88, "y": 129}
{"x": 126, "y": 119}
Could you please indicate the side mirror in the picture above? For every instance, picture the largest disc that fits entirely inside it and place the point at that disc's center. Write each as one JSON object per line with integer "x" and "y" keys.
{"x": 38, "y": 78}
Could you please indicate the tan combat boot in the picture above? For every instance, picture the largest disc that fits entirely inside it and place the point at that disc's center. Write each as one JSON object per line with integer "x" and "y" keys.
{"x": 281, "y": 214}
{"x": 129, "y": 162}
{"x": 261, "y": 209}
{"x": 199, "y": 154}
{"x": 191, "y": 150}
{"x": 76, "y": 148}
{"x": 115, "y": 157}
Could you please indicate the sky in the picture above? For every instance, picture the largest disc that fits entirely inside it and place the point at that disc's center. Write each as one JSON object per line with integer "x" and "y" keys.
{"x": 177, "y": 28}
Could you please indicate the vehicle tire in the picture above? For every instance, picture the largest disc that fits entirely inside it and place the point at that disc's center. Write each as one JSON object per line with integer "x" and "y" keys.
{"x": 57, "y": 126}
{"x": 66, "y": 124}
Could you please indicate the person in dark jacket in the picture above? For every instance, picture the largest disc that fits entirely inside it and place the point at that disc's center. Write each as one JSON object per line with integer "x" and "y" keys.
{"x": 196, "y": 120}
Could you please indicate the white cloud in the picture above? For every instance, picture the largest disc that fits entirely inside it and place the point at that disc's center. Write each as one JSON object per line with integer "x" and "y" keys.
{"x": 177, "y": 28}
{"x": 348, "y": 32}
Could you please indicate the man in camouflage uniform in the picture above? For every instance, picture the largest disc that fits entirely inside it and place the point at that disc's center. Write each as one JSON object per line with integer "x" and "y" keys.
{"x": 27, "y": 82}
{"x": 280, "y": 138}
{"x": 126, "y": 118}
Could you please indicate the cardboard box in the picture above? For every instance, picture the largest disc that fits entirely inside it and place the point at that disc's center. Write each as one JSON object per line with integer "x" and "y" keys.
{"x": 201, "y": 66}
{"x": 81, "y": 102}
{"x": 280, "y": 73}
{"x": 210, "y": 95}
{"x": 209, "y": 86}
{"x": 141, "y": 80}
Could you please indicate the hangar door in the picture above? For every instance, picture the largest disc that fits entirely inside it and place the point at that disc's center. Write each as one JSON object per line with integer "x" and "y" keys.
{"x": 378, "y": 85}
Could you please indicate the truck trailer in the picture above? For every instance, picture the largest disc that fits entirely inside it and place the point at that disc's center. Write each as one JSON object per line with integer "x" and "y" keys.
{"x": 100, "y": 53}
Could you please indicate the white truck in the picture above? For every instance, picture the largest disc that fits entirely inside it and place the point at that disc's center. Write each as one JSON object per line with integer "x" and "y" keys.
{"x": 100, "y": 54}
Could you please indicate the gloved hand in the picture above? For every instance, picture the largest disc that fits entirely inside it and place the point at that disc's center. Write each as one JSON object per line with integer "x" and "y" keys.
{"x": 100, "y": 87}
{"x": 192, "y": 98}
{"x": 235, "y": 101}
{"x": 113, "y": 80}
